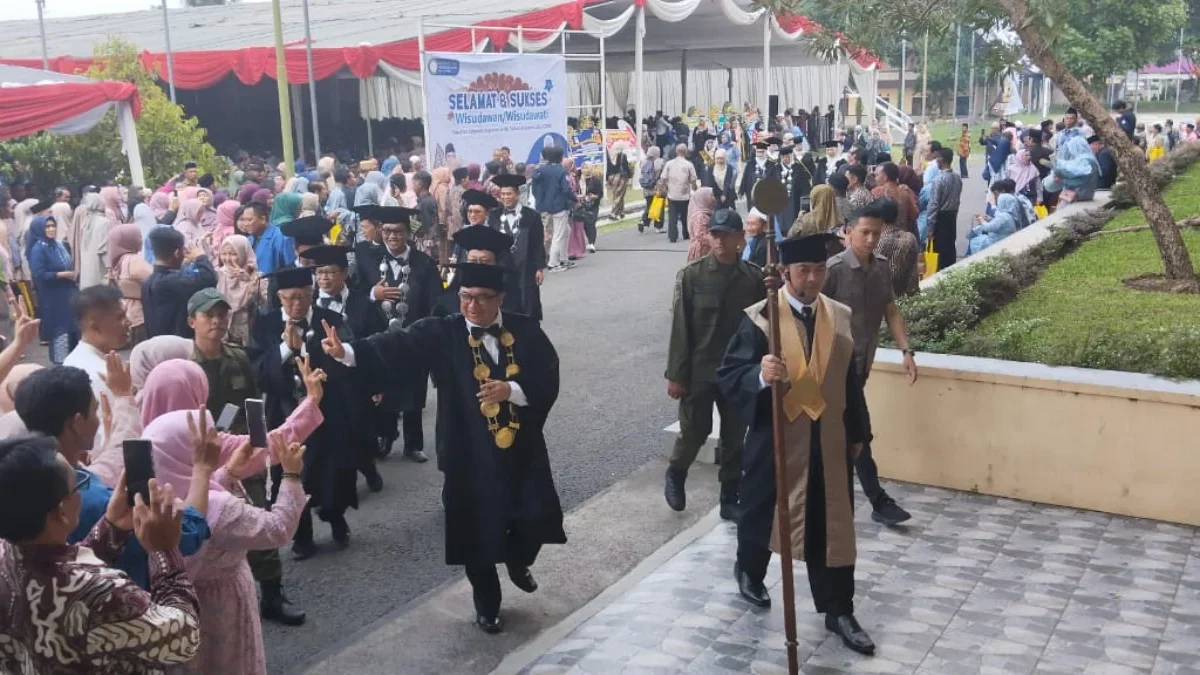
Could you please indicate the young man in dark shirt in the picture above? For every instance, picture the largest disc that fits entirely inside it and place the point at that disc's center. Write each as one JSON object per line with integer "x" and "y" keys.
{"x": 177, "y": 275}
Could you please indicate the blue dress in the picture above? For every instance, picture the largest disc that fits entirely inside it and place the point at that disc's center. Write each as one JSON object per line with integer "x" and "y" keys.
{"x": 54, "y": 294}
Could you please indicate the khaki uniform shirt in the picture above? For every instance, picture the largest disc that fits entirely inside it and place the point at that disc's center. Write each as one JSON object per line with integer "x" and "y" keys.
{"x": 710, "y": 299}
{"x": 867, "y": 291}
{"x": 230, "y": 380}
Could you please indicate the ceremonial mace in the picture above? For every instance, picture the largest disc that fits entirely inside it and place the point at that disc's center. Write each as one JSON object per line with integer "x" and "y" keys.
{"x": 770, "y": 197}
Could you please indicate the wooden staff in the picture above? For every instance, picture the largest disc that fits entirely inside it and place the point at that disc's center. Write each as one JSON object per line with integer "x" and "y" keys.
{"x": 770, "y": 197}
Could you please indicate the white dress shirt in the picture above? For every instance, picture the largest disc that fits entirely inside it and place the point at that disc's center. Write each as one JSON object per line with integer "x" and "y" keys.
{"x": 491, "y": 344}
{"x": 799, "y": 307}
{"x": 92, "y": 361}
{"x": 337, "y": 303}
{"x": 395, "y": 262}
{"x": 285, "y": 352}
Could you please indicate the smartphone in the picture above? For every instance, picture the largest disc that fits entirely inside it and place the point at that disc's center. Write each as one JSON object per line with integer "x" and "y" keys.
{"x": 139, "y": 468}
{"x": 228, "y": 414}
{"x": 256, "y": 422}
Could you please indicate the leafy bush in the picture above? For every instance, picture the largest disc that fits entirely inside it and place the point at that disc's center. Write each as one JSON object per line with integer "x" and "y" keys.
{"x": 166, "y": 136}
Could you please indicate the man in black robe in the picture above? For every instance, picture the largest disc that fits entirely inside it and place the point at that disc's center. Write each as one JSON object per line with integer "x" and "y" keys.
{"x": 278, "y": 338}
{"x": 829, "y": 164}
{"x": 361, "y": 318}
{"x": 824, "y": 426}
{"x": 404, "y": 285}
{"x": 306, "y": 233}
{"x": 524, "y": 225}
{"x": 755, "y": 171}
{"x": 797, "y": 180}
{"x": 497, "y": 375}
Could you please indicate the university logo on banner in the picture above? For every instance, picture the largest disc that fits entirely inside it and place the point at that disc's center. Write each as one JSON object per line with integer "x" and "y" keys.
{"x": 478, "y": 103}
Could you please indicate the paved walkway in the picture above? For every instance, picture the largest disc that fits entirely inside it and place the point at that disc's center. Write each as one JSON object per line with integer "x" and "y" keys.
{"x": 977, "y": 584}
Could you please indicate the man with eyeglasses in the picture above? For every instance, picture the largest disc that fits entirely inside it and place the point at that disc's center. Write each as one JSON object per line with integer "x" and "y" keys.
{"x": 404, "y": 285}
{"x": 497, "y": 376}
{"x": 279, "y": 339}
{"x": 524, "y": 225}
{"x": 58, "y": 402}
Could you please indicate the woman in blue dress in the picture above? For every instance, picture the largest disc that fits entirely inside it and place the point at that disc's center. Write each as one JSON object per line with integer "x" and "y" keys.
{"x": 1005, "y": 222}
{"x": 54, "y": 278}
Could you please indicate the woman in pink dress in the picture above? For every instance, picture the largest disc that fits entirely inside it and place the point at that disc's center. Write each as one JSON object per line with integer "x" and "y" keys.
{"x": 231, "y": 629}
{"x": 127, "y": 270}
{"x": 700, "y": 211}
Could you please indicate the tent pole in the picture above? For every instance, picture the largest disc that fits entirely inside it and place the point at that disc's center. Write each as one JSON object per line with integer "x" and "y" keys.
{"x": 281, "y": 87}
{"x": 133, "y": 150}
{"x": 639, "y": 74}
{"x": 903, "y": 63}
{"x": 603, "y": 114}
{"x": 429, "y": 148}
{"x": 370, "y": 137}
{"x": 297, "y": 118}
{"x": 766, "y": 92}
{"x": 312, "y": 84}
{"x": 41, "y": 5}
{"x": 971, "y": 79}
{"x": 1045, "y": 97}
{"x": 957, "y": 50}
{"x": 170, "y": 55}
{"x": 683, "y": 79}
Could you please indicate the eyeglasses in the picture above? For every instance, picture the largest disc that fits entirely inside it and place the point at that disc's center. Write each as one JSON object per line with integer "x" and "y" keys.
{"x": 479, "y": 299}
{"x": 82, "y": 480}
{"x": 393, "y": 232}
{"x": 328, "y": 271}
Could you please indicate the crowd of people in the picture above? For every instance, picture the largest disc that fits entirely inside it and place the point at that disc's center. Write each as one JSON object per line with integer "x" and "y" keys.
{"x": 227, "y": 300}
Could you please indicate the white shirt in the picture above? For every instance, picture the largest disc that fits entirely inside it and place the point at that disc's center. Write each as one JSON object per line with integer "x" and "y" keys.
{"x": 337, "y": 303}
{"x": 516, "y": 395}
{"x": 91, "y": 361}
{"x": 285, "y": 352}
{"x": 799, "y": 307}
{"x": 395, "y": 262}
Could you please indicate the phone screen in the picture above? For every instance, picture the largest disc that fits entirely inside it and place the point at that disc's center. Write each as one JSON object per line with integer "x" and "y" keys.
{"x": 256, "y": 422}
{"x": 228, "y": 414}
{"x": 139, "y": 468}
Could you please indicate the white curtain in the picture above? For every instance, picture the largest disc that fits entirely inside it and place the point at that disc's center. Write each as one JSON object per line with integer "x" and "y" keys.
{"x": 609, "y": 27}
{"x": 529, "y": 45}
{"x": 737, "y": 15}
{"x": 783, "y": 34}
{"x": 808, "y": 86}
{"x": 866, "y": 81}
{"x": 672, "y": 12}
{"x": 618, "y": 91}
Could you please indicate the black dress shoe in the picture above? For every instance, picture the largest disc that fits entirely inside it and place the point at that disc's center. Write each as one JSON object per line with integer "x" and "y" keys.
{"x": 276, "y": 607}
{"x": 888, "y": 512}
{"x": 729, "y": 500}
{"x": 489, "y": 624}
{"x": 417, "y": 456}
{"x": 303, "y": 550}
{"x": 522, "y": 578}
{"x": 374, "y": 480}
{"x": 755, "y": 592}
{"x": 341, "y": 533}
{"x": 673, "y": 489}
{"x": 852, "y": 634}
{"x": 385, "y": 447}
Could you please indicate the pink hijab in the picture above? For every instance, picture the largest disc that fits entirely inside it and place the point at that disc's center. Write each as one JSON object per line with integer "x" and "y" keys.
{"x": 173, "y": 456}
{"x": 111, "y": 196}
{"x": 123, "y": 240}
{"x": 175, "y": 384}
{"x": 226, "y": 213}
{"x": 699, "y": 217}
{"x": 149, "y": 353}
{"x": 160, "y": 203}
{"x": 8, "y": 388}
{"x": 188, "y": 193}
{"x": 188, "y": 221}
{"x": 238, "y": 291}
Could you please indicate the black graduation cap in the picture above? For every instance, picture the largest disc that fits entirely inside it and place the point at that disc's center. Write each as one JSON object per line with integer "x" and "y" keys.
{"x": 1093, "y": 139}
{"x": 320, "y": 256}
{"x": 293, "y": 277}
{"x": 309, "y": 230}
{"x": 483, "y": 238}
{"x": 511, "y": 180}
{"x": 478, "y": 275}
{"x": 810, "y": 248}
{"x": 786, "y": 150}
{"x": 774, "y": 140}
{"x": 761, "y": 145}
{"x": 479, "y": 198}
{"x": 386, "y": 215}
{"x": 830, "y": 144}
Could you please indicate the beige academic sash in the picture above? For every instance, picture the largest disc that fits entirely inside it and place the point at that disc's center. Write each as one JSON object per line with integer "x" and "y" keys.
{"x": 805, "y": 374}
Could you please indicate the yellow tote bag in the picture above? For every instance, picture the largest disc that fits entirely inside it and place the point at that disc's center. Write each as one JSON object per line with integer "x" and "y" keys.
{"x": 1041, "y": 211}
{"x": 931, "y": 259}
{"x": 656, "y": 208}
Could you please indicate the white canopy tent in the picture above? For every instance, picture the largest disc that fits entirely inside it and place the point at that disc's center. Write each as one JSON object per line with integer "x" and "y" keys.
{"x": 53, "y": 109}
{"x": 683, "y": 52}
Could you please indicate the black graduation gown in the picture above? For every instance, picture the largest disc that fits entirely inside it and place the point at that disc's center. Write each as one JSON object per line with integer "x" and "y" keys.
{"x": 330, "y": 458}
{"x": 501, "y": 505}
{"x": 737, "y": 378}
{"x": 365, "y": 272}
{"x": 750, "y": 177}
{"x": 521, "y": 291}
{"x": 824, "y": 171}
{"x": 801, "y": 180}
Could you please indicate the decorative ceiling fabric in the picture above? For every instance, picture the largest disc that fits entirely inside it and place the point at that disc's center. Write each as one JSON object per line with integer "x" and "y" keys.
{"x": 29, "y": 108}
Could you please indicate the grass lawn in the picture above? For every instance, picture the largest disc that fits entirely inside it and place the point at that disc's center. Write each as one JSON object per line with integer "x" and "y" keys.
{"x": 1079, "y": 312}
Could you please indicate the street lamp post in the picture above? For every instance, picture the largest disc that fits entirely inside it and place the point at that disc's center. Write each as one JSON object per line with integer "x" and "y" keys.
{"x": 41, "y": 5}
{"x": 170, "y": 55}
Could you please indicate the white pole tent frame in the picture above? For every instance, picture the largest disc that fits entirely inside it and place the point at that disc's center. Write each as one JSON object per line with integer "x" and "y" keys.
{"x": 126, "y": 126}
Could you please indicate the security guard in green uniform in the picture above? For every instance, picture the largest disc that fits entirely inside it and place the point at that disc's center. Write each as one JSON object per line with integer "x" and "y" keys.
{"x": 710, "y": 296}
{"x": 231, "y": 380}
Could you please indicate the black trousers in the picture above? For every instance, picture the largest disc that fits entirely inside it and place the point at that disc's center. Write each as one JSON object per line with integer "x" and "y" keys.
{"x": 392, "y": 423}
{"x": 864, "y": 466}
{"x": 962, "y": 166}
{"x": 485, "y": 582}
{"x": 832, "y": 588}
{"x": 945, "y": 232}
{"x": 677, "y": 213}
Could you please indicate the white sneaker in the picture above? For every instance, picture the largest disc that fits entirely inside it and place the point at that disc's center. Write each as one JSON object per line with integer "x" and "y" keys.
{"x": 558, "y": 268}
{"x": 591, "y": 248}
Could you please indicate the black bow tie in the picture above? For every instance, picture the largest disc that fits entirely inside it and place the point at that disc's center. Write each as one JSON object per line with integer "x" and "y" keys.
{"x": 511, "y": 213}
{"x": 805, "y": 313}
{"x": 477, "y": 332}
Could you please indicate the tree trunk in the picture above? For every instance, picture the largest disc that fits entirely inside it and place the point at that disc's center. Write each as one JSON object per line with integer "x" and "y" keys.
{"x": 1176, "y": 263}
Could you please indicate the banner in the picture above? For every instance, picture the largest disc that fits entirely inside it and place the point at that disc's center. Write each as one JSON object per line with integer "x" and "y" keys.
{"x": 480, "y": 102}
{"x": 587, "y": 147}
